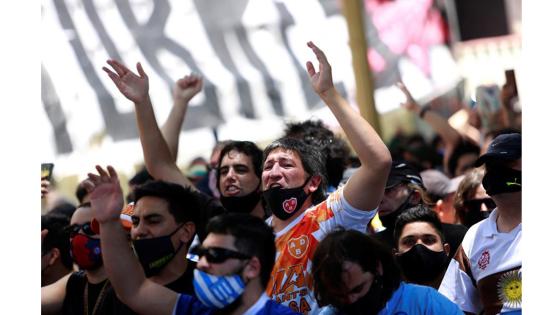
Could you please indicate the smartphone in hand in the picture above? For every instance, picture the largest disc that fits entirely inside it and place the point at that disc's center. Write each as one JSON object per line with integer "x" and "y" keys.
{"x": 488, "y": 102}
{"x": 46, "y": 170}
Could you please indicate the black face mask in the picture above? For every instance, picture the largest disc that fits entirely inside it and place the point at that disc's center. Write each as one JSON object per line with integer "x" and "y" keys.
{"x": 390, "y": 219}
{"x": 371, "y": 303}
{"x": 242, "y": 204}
{"x": 284, "y": 203}
{"x": 498, "y": 180}
{"x": 155, "y": 253}
{"x": 421, "y": 265}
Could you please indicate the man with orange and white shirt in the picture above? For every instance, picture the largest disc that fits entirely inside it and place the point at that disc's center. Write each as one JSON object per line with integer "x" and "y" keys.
{"x": 294, "y": 184}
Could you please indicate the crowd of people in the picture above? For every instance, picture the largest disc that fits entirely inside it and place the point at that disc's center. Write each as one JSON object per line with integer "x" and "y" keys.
{"x": 311, "y": 224}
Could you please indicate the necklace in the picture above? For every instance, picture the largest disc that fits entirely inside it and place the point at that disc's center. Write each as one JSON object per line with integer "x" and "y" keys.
{"x": 100, "y": 298}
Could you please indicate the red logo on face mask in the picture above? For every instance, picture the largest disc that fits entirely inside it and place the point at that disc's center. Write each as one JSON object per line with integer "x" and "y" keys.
{"x": 484, "y": 260}
{"x": 289, "y": 205}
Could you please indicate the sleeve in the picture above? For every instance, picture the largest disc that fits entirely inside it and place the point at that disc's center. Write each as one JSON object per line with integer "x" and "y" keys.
{"x": 458, "y": 284}
{"x": 187, "y": 304}
{"x": 344, "y": 215}
{"x": 439, "y": 304}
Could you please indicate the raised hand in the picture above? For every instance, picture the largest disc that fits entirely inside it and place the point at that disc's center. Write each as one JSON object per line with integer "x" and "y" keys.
{"x": 186, "y": 88}
{"x": 410, "y": 104}
{"x": 105, "y": 194}
{"x": 132, "y": 86}
{"x": 322, "y": 80}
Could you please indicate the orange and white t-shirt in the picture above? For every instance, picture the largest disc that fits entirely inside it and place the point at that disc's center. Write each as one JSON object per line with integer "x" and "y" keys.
{"x": 291, "y": 280}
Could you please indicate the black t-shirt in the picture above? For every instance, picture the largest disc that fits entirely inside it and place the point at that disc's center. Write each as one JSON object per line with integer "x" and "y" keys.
{"x": 184, "y": 284}
{"x": 454, "y": 234}
{"x": 108, "y": 301}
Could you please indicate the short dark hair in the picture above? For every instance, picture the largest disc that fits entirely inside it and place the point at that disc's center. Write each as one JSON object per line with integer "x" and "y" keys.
{"x": 246, "y": 147}
{"x": 141, "y": 177}
{"x": 335, "y": 150}
{"x": 252, "y": 235}
{"x": 81, "y": 192}
{"x": 463, "y": 147}
{"x": 58, "y": 236}
{"x": 313, "y": 161}
{"x": 183, "y": 202}
{"x": 65, "y": 208}
{"x": 353, "y": 246}
{"x": 419, "y": 213}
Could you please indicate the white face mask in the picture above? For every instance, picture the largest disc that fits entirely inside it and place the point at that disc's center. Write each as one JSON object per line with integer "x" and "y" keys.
{"x": 217, "y": 291}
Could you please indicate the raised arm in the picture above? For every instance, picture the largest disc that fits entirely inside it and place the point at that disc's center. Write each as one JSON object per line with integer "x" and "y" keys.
{"x": 183, "y": 91}
{"x": 449, "y": 135}
{"x": 159, "y": 160}
{"x": 124, "y": 270}
{"x": 365, "y": 188}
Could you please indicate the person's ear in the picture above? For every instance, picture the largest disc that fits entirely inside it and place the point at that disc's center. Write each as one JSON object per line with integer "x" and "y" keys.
{"x": 314, "y": 183}
{"x": 54, "y": 254}
{"x": 438, "y": 208}
{"x": 446, "y": 249}
{"x": 253, "y": 269}
{"x": 188, "y": 230}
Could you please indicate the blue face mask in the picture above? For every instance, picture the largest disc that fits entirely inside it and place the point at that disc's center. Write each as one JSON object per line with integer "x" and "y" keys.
{"x": 217, "y": 292}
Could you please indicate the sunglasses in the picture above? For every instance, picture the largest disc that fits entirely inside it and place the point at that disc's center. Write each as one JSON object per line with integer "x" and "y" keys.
{"x": 86, "y": 227}
{"x": 475, "y": 204}
{"x": 217, "y": 255}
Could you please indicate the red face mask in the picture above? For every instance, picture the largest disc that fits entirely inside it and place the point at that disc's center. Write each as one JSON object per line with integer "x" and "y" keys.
{"x": 86, "y": 252}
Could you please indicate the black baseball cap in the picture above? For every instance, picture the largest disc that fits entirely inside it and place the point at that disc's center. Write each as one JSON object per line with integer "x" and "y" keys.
{"x": 505, "y": 147}
{"x": 402, "y": 172}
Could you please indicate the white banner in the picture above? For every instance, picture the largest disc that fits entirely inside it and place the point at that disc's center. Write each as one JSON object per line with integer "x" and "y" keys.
{"x": 251, "y": 53}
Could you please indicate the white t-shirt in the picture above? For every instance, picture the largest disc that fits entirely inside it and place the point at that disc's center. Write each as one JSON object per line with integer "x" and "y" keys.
{"x": 485, "y": 273}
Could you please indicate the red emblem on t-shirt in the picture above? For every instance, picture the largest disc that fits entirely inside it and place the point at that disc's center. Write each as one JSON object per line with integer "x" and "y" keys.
{"x": 298, "y": 246}
{"x": 290, "y": 205}
{"x": 484, "y": 260}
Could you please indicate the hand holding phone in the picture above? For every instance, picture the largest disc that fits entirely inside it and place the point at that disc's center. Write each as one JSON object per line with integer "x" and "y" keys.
{"x": 488, "y": 102}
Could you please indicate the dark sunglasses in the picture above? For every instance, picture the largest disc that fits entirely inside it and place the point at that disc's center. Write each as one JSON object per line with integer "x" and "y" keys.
{"x": 217, "y": 255}
{"x": 86, "y": 227}
{"x": 475, "y": 204}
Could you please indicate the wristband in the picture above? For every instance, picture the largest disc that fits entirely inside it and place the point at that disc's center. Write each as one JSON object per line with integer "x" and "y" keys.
{"x": 423, "y": 111}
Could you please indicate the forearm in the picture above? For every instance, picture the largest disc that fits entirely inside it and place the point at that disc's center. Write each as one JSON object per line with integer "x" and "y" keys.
{"x": 159, "y": 161}
{"x": 369, "y": 147}
{"x": 365, "y": 188}
{"x": 122, "y": 267}
{"x": 449, "y": 135}
{"x": 172, "y": 127}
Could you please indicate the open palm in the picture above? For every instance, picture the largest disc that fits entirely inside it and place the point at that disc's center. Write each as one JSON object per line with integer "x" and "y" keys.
{"x": 321, "y": 80}
{"x": 105, "y": 194}
{"x": 132, "y": 86}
